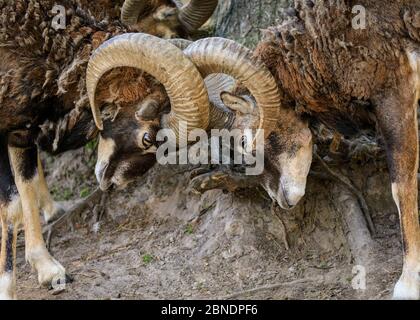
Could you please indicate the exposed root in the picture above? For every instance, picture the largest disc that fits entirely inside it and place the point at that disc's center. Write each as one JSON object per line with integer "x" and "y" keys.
{"x": 195, "y": 172}
{"x": 270, "y": 287}
{"x": 196, "y": 219}
{"x": 364, "y": 249}
{"x": 345, "y": 181}
{"x": 99, "y": 210}
{"x": 75, "y": 210}
{"x": 284, "y": 231}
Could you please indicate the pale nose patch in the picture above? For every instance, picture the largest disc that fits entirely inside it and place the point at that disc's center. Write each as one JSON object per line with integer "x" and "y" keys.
{"x": 100, "y": 169}
{"x": 292, "y": 189}
{"x": 106, "y": 149}
{"x": 293, "y": 195}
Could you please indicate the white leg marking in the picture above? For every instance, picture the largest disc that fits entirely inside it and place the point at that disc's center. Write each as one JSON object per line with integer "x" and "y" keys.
{"x": 7, "y": 287}
{"x": 407, "y": 287}
{"x": 12, "y": 213}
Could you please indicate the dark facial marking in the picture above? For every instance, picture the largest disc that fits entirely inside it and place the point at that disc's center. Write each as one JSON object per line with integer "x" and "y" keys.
{"x": 275, "y": 144}
{"x": 141, "y": 165}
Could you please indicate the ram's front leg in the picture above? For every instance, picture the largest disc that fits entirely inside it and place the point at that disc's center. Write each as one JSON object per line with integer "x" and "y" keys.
{"x": 397, "y": 119}
{"x": 25, "y": 163}
{"x": 51, "y": 209}
{"x": 10, "y": 215}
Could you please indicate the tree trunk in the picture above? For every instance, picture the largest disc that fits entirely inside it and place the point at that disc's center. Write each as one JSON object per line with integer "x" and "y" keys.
{"x": 242, "y": 19}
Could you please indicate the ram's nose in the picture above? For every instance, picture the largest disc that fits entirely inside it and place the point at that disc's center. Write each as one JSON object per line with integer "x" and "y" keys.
{"x": 100, "y": 172}
{"x": 293, "y": 194}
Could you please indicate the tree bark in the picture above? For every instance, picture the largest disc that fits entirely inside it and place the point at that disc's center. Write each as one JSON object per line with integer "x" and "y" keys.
{"x": 242, "y": 20}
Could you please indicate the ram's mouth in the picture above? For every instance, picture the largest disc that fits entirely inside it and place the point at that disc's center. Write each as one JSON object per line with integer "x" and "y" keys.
{"x": 113, "y": 180}
{"x": 119, "y": 174}
{"x": 105, "y": 184}
{"x": 113, "y": 183}
{"x": 278, "y": 195}
{"x": 107, "y": 180}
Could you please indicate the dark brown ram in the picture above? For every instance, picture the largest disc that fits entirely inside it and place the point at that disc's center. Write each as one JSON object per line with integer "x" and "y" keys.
{"x": 43, "y": 100}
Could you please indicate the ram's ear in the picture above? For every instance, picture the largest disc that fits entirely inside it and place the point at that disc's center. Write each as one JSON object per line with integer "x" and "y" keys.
{"x": 110, "y": 112}
{"x": 236, "y": 103}
{"x": 164, "y": 13}
{"x": 148, "y": 109}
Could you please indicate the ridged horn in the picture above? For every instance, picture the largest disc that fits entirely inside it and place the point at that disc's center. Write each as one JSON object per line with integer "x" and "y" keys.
{"x": 178, "y": 3}
{"x": 183, "y": 83}
{"x": 220, "y": 116}
{"x": 218, "y": 55}
{"x": 193, "y": 15}
{"x": 131, "y": 11}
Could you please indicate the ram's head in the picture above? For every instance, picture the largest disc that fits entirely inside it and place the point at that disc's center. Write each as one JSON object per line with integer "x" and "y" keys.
{"x": 254, "y": 102}
{"x": 127, "y": 134}
{"x": 167, "y": 18}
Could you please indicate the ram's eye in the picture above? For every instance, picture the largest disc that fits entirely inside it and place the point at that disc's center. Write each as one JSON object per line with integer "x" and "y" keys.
{"x": 147, "y": 141}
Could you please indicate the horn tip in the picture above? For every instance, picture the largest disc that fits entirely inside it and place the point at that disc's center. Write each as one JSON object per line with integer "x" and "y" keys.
{"x": 99, "y": 125}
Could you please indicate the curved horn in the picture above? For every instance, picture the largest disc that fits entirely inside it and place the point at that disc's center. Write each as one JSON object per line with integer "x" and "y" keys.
{"x": 193, "y": 15}
{"x": 131, "y": 11}
{"x": 218, "y": 55}
{"x": 220, "y": 116}
{"x": 162, "y": 60}
{"x": 178, "y": 3}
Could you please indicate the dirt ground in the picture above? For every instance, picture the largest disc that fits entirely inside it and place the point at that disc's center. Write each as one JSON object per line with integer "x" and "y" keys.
{"x": 157, "y": 240}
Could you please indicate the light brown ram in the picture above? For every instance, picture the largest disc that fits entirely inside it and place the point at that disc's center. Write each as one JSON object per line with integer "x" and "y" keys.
{"x": 350, "y": 79}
